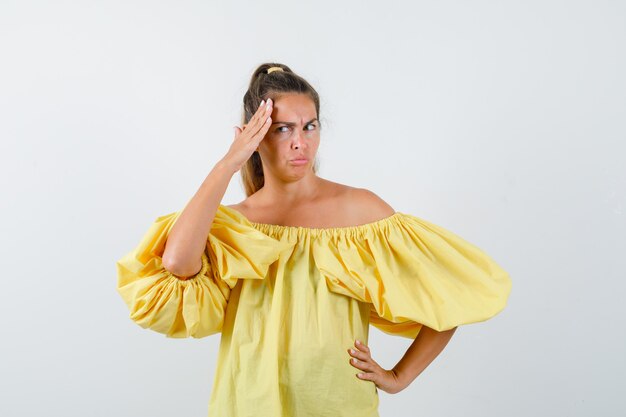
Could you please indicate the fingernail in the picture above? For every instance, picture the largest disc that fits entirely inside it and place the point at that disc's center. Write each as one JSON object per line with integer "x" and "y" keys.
{"x": 351, "y": 350}
{"x": 261, "y": 105}
{"x": 358, "y": 343}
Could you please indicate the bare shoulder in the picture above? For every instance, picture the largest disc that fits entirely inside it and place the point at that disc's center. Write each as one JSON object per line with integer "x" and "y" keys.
{"x": 245, "y": 204}
{"x": 337, "y": 205}
{"x": 246, "y": 207}
{"x": 241, "y": 207}
{"x": 370, "y": 206}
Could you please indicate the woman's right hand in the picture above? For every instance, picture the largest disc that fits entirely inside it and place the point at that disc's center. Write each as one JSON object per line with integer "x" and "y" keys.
{"x": 247, "y": 139}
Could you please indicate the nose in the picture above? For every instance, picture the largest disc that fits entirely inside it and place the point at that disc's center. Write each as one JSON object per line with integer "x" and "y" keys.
{"x": 298, "y": 140}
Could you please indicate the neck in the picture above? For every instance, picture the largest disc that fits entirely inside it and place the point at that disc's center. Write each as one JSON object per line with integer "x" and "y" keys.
{"x": 294, "y": 193}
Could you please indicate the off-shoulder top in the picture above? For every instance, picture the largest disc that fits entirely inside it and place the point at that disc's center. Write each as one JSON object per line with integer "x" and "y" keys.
{"x": 289, "y": 301}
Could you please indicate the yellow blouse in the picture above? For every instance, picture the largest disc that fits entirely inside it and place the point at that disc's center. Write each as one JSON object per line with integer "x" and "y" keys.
{"x": 289, "y": 301}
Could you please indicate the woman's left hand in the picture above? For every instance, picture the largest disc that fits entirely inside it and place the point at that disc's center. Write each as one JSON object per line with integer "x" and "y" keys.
{"x": 386, "y": 380}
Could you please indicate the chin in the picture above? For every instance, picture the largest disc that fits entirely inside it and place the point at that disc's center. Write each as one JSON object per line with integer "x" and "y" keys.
{"x": 296, "y": 173}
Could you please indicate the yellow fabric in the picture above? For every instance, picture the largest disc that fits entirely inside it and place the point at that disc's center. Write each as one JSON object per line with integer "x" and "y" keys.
{"x": 290, "y": 300}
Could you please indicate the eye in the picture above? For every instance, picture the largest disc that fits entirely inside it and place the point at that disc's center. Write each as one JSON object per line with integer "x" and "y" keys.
{"x": 287, "y": 127}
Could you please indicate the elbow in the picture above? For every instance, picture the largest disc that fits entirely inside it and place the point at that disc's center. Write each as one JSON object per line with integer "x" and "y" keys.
{"x": 179, "y": 269}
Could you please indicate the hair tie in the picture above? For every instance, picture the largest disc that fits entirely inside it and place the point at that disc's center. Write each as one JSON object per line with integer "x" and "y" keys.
{"x": 272, "y": 69}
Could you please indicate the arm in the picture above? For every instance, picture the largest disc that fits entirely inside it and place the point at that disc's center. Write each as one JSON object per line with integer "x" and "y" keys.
{"x": 187, "y": 239}
{"x": 424, "y": 349}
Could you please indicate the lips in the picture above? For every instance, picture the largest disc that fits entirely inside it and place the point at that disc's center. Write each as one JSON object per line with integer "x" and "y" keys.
{"x": 299, "y": 161}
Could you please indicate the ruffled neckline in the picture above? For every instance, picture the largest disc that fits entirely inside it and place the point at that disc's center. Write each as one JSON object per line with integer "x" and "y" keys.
{"x": 273, "y": 229}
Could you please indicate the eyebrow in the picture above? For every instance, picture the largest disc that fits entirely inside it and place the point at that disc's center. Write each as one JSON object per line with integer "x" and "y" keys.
{"x": 293, "y": 124}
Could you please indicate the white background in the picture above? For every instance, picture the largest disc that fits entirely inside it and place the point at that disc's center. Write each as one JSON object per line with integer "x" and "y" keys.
{"x": 501, "y": 121}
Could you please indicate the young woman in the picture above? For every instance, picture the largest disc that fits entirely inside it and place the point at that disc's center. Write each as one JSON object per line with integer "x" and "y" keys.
{"x": 294, "y": 275}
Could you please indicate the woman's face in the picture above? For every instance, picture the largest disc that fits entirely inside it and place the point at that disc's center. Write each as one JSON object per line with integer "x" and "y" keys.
{"x": 294, "y": 134}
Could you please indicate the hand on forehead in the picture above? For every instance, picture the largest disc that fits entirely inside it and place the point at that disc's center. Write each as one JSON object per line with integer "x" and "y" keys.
{"x": 293, "y": 109}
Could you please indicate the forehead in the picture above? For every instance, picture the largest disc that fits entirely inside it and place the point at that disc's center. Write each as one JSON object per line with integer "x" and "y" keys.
{"x": 294, "y": 108}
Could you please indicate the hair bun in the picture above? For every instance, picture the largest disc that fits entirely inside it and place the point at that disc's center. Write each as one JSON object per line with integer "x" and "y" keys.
{"x": 272, "y": 69}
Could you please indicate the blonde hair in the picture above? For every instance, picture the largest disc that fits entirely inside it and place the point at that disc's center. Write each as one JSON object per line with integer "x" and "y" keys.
{"x": 264, "y": 85}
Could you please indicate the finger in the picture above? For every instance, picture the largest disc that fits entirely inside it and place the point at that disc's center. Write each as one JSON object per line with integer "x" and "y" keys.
{"x": 357, "y": 354}
{"x": 357, "y": 364}
{"x": 258, "y": 137}
{"x": 257, "y": 114}
{"x": 259, "y": 110}
{"x": 366, "y": 376}
{"x": 260, "y": 116}
{"x": 259, "y": 123}
{"x": 363, "y": 365}
{"x": 364, "y": 357}
{"x": 257, "y": 130}
{"x": 254, "y": 117}
{"x": 264, "y": 115}
{"x": 359, "y": 345}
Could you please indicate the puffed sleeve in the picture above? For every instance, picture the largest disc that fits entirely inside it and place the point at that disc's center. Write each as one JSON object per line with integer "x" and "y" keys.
{"x": 194, "y": 307}
{"x": 414, "y": 273}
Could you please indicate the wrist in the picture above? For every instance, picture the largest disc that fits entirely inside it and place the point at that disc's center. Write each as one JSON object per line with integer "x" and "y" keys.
{"x": 403, "y": 379}
{"x": 225, "y": 167}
